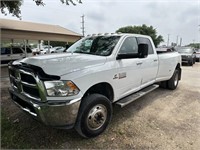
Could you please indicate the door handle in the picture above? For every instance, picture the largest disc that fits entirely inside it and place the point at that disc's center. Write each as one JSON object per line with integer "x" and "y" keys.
{"x": 155, "y": 60}
{"x": 138, "y": 63}
{"x": 8, "y": 55}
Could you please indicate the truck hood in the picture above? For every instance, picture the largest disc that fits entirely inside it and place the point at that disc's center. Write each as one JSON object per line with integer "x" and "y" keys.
{"x": 60, "y": 64}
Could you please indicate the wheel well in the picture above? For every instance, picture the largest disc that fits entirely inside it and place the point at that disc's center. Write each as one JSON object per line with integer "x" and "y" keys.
{"x": 178, "y": 67}
{"x": 101, "y": 88}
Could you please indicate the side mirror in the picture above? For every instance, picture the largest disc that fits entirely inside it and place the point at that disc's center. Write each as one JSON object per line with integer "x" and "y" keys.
{"x": 126, "y": 56}
{"x": 143, "y": 50}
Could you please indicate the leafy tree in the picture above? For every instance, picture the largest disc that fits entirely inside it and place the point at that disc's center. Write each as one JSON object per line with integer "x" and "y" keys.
{"x": 13, "y": 7}
{"x": 145, "y": 30}
{"x": 195, "y": 45}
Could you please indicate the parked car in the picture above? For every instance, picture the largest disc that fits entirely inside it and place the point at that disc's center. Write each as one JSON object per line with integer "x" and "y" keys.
{"x": 35, "y": 51}
{"x": 44, "y": 49}
{"x": 58, "y": 49}
{"x": 165, "y": 49}
{"x": 197, "y": 55}
{"x": 13, "y": 53}
{"x": 79, "y": 88}
{"x": 187, "y": 54}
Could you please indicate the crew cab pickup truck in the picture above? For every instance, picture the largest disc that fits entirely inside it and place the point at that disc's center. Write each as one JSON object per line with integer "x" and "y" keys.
{"x": 79, "y": 88}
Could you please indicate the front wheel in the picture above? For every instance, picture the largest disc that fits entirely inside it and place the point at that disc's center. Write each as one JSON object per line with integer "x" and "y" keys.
{"x": 94, "y": 115}
{"x": 173, "y": 81}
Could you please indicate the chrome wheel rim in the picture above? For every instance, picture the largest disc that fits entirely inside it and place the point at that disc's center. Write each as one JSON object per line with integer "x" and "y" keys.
{"x": 96, "y": 117}
{"x": 176, "y": 79}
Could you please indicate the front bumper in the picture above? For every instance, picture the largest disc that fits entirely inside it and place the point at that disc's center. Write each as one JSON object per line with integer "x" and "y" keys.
{"x": 61, "y": 114}
{"x": 186, "y": 59}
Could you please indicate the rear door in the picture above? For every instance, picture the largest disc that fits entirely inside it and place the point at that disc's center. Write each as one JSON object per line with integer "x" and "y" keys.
{"x": 149, "y": 66}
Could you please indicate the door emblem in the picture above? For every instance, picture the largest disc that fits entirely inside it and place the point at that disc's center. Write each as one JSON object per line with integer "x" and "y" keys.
{"x": 120, "y": 75}
{"x": 115, "y": 76}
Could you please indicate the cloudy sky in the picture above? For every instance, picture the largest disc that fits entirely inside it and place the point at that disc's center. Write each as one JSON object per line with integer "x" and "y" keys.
{"x": 174, "y": 17}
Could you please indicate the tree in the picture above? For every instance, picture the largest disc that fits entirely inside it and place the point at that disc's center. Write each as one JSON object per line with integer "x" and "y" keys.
{"x": 145, "y": 30}
{"x": 13, "y": 7}
{"x": 194, "y": 45}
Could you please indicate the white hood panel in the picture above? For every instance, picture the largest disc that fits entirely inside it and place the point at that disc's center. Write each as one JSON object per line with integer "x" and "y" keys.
{"x": 60, "y": 64}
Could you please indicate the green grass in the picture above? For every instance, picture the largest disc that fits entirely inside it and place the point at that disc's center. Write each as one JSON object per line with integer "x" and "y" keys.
{"x": 11, "y": 134}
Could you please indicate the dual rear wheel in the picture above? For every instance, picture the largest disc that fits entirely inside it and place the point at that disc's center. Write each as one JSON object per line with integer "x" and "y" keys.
{"x": 172, "y": 83}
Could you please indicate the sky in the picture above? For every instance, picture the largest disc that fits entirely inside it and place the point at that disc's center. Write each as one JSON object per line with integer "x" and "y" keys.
{"x": 176, "y": 18}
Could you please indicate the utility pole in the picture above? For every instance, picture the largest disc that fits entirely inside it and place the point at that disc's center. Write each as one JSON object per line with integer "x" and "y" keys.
{"x": 199, "y": 37}
{"x": 177, "y": 41}
{"x": 168, "y": 40}
{"x": 180, "y": 41}
{"x": 83, "y": 25}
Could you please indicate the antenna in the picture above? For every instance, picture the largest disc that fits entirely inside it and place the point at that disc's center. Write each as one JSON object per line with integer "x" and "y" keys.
{"x": 83, "y": 25}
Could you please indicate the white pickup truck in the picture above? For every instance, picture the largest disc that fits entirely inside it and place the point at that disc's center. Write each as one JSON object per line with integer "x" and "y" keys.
{"x": 79, "y": 88}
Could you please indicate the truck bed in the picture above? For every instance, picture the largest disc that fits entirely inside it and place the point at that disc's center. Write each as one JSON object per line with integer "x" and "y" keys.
{"x": 167, "y": 64}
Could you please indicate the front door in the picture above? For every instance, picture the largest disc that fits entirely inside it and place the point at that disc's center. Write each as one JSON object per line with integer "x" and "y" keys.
{"x": 128, "y": 78}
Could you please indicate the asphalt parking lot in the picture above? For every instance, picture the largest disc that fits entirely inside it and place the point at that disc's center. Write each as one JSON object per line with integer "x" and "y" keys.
{"x": 163, "y": 119}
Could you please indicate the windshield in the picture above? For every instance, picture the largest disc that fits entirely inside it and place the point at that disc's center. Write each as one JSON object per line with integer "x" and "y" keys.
{"x": 185, "y": 50}
{"x": 97, "y": 45}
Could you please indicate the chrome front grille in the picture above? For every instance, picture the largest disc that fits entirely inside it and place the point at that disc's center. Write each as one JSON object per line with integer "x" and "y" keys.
{"x": 24, "y": 82}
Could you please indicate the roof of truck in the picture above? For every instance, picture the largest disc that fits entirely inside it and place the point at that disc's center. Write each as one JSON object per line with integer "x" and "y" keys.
{"x": 118, "y": 34}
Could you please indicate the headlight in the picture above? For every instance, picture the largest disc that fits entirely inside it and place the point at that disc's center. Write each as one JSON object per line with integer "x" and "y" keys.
{"x": 61, "y": 88}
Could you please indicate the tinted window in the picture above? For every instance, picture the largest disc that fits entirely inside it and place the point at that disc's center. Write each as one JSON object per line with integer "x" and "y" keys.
{"x": 5, "y": 51}
{"x": 129, "y": 46}
{"x": 16, "y": 50}
{"x": 95, "y": 45}
{"x": 142, "y": 40}
{"x": 28, "y": 49}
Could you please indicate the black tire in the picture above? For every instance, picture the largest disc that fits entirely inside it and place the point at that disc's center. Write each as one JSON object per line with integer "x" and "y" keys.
{"x": 94, "y": 115}
{"x": 173, "y": 81}
{"x": 190, "y": 63}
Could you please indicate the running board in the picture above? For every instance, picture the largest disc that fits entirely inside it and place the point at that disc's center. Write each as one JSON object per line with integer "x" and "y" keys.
{"x": 127, "y": 100}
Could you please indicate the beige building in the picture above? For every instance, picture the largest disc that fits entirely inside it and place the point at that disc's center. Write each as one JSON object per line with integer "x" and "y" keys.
{"x": 12, "y": 30}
